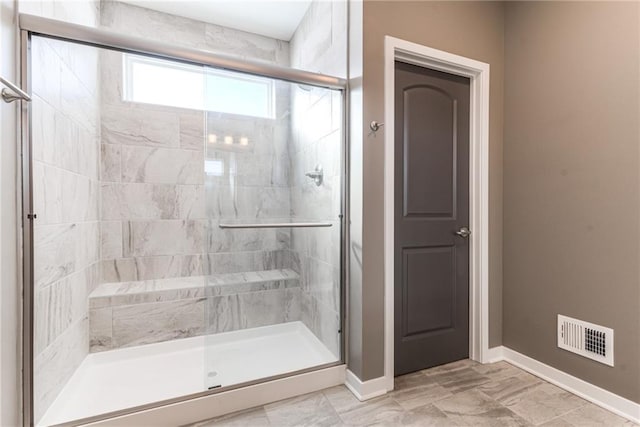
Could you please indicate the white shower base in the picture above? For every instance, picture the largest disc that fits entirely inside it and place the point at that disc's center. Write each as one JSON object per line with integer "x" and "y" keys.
{"x": 124, "y": 378}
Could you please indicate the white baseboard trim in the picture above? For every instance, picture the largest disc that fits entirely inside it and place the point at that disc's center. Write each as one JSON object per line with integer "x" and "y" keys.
{"x": 365, "y": 390}
{"x": 594, "y": 394}
{"x": 493, "y": 355}
{"x": 202, "y": 408}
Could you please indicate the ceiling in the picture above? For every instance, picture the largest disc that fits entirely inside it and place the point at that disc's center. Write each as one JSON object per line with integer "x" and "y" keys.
{"x": 277, "y": 19}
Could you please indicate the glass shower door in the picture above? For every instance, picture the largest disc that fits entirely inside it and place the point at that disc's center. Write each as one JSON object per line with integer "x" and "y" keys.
{"x": 118, "y": 187}
{"x": 273, "y": 200}
{"x": 189, "y": 226}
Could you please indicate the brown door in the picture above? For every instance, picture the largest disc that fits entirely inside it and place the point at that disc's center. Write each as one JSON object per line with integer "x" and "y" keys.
{"x": 431, "y": 205}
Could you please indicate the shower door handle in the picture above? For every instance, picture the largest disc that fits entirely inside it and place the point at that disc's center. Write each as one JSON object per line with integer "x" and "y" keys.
{"x": 278, "y": 225}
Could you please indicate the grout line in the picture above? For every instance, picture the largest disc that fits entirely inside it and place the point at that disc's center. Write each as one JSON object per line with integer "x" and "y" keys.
{"x": 38, "y": 226}
{"x": 586, "y": 403}
{"x": 65, "y": 114}
{"x": 62, "y": 169}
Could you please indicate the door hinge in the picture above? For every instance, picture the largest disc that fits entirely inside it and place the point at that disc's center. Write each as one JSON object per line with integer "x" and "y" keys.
{"x": 32, "y": 216}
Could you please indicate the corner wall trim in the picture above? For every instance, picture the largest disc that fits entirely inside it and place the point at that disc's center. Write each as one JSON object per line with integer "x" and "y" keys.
{"x": 365, "y": 390}
{"x": 494, "y": 354}
{"x": 594, "y": 394}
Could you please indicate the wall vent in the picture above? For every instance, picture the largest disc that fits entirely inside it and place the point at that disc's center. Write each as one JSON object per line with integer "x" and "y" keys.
{"x": 586, "y": 339}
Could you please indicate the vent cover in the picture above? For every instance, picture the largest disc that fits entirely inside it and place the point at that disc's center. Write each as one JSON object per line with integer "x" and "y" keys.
{"x": 586, "y": 339}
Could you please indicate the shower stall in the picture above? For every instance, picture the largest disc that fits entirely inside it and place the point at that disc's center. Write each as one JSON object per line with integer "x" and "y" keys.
{"x": 184, "y": 226}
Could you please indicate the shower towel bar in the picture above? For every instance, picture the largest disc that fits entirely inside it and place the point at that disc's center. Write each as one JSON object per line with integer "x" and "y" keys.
{"x": 14, "y": 93}
{"x": 278, "y": 225}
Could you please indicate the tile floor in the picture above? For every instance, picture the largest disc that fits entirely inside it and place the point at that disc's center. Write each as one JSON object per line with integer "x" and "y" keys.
{"x": 462, "y": 393}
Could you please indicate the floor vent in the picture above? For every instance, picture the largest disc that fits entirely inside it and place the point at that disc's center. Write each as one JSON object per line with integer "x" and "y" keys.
{"x": 586, "y": 339}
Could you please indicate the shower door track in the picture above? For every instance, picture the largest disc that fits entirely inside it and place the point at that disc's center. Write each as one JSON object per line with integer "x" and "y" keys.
{"x": 61, "y": 30}
{"x": 31, "y": 25}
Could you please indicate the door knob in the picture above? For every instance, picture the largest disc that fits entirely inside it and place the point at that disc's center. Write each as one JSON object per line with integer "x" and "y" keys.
{"x": 463, "y": 232}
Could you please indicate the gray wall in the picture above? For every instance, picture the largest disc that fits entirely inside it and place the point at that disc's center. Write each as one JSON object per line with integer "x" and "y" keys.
{"x": 355, "y": 302}
{"x": 472, "y": 29}
{"x": 571, "y": 182}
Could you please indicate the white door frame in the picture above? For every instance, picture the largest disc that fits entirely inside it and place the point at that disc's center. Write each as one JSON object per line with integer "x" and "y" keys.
{"x": 478, "y": 73}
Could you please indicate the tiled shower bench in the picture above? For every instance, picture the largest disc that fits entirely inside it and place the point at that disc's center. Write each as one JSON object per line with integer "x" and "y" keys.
{"x": 124, "y": 314}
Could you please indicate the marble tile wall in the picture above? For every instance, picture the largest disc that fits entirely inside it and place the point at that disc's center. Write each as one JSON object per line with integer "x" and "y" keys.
{"x": 320, "y": 42}
{"x": 160, "y": 210}
{"x": 138, "y": 324}
{"x": 152, "y": 184}
{"x": 172, "y": 29}
{"x": 66, "y": 192}
{"x": 252, "y": 309}
{"x": 129, "y": 325}
{"x": 128, "y": 269}
{"x": 319, "y": 45}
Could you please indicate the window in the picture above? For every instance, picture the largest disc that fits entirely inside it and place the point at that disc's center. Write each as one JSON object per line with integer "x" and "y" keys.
{"x": 214, "y": 167}
{"x": 161, "y": 82}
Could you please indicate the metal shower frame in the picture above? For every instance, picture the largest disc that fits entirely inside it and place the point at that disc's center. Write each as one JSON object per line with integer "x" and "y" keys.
{"x": 31, "y": 25}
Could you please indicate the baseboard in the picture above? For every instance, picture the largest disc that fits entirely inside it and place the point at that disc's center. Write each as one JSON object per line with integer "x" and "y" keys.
{"x": 365, "y": 390}
{"x": 594, "y": 394}
{"x": 202, "y": 408}
{"x": 494, "y": 354}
